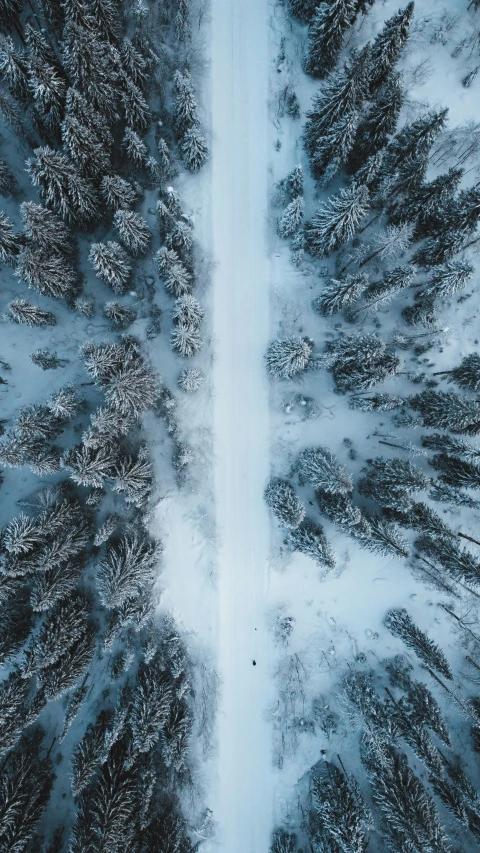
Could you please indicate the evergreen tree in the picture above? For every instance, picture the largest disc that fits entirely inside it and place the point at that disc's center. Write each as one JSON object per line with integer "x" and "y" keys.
{"x": 13, "y": 68}
{"x": 64, "y": 625}
{"x": 448, "y": 279}
{"x": 338, "y": 817}
{"x": 379, "y": 535}
{"x": 89, "y": 466}
{"x": 401, "y": 625}
{"x": 453, "y": 446}
{"x": 336, "y": 221}
{"x": 135, "y": 148}
{"x": 117, "y": 193}
{"x": 79, "y": 108}
{"x": 375, "y": 402}
{"x": 111, "y": 264}
{"x": 48, "y": 88}
{"x": 322, "y": 470}
{"x": 446, "y": 410}
{"x": 455, "y": 560}
{"x": 389, "y": 44}
{"x": 342, "y": 94}
{"x": 10, "y": 242}
{"x": 152, "y": 700}
{"x": 109, "y": 807}
{"x": 292, "y": 218}
{"x": 194, "y": 148}
{"x": 333, "y": 148}
{"x": 92, "y": 67}
{"x": 107, "y": 18}
{"x": 126, "y": 568}
{"x": 133, "y": 231}
{"x": 175, "y": 276}
{"x": 180, "y": 237}
{"x": 23, "y": 312}
{"x": 45, "y": 229}
{"x": 119, "y": 316}
{"x": 89, "y": 753}
{"x": 340, "y": 510}
{"x": 134, "y": 478}
{"x": 191, "y": 379}
{"x": 391, "y": 482}
{"x": 85, "y": 149}
{"x": 358, "y": 362}
{"x": 302, "y": 9}
{"x": 425, "y": 203}
{"x": 134, "y": 64}
{"x": 414, "y": 140}
{"x": 188, "y": 311}
{"x": 8, "y": 182}
{"x": 309, "y": 539}
{"x": 9, "y": 11}
{"x": 380, "y": 293}
{"x": 374, "y": 131}
{"x": 291, "y": 186}
{"x": 467, "y": 374}
{"x": 185, "y": 111}
{"x": 456, "y": 472}
{"x": 186, "y": 339}
{"x": 340, "y": 293}
{"x": 287, "y": 357}
{"x": 70, "y": 667}
{"x": 55, "y": 584}
{"x": 325, "y": 36}
{"x": 27, "y": 779}
{"x": 61, "y": 186}
{"x": 135, "y": 107}
{"x": 283, "y": 842}
{"x": 284, "y": 502}
{"x": 48, "y": 273}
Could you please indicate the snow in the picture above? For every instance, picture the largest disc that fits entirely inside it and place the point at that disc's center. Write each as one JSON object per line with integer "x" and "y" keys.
{"x": 239, "y": 75}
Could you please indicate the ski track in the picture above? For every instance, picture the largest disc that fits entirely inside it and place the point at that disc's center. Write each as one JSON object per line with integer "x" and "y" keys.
{"x": 239, "y": 76}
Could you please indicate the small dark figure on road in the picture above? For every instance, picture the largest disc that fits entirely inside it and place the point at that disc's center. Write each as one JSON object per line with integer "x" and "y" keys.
{"x": 254, "y": 662}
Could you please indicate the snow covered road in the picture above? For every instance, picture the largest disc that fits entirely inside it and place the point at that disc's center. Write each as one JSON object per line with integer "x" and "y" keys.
{"x": 239, "y": 77}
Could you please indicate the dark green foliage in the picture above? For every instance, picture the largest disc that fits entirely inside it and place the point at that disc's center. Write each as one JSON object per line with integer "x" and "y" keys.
{"x": 401, "y": 625}
{"x": 388, "y": 46}
{"x": 325, "y": 36}
{"x": 380, "y": 122}
{"x": 456, "y": 472}
{"x": 459, "y": 562}
{"x": 391, "y": 482}
{"x": 446, "y": 410}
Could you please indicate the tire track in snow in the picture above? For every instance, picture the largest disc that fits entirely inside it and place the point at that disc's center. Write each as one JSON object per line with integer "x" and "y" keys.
{"x": 239, "y": 74}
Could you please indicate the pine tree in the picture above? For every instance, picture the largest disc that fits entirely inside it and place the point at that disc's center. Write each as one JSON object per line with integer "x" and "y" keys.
{"x": 425, "y": 203}
{"x": 358, "y": 362}
{"x": 325, "y": 35}
{"x": 48, "y": 273}
{"x": 185, "y": 339}
{"x": 194, "y": 148}
{"x": 467, "y": 374}
{"x": 456, "y": 472}
{"x": 128, "y": 565}
{"x": 55, "y": 584}
{"x": 70, "y": 667}
{"x": 309, "y": 539}
{"x": 27, "y": 779}
{"x": 379, "y": 535}
{"x": 89, "y": 753}
{"x": 61, "y": 186}
{"x": 175, "y": 276}
{"x": 64, "y": 625}
{"x": 380, "y": 293}
{"x": 191, "y": 379}
{"x": 303, "y": 9}
{"x": 135, "y": 148}
{"x": 180, "y": 237}
{"x": 338, "y": 816}
{"x": 106, "y": 17}
{"x": 23, "y": 312}
{"x": 283, "y": 842}
{"x": 8, "y": 182}
{"x": 48, "y": 89}
{"x": 457, "y": 561}
{"x": 133, "y": 231}
{"x": 134, "y": 478}
{"x": 322, "y": 470}
{"x": 391, "y": 482}
{"x": 286, "y": 506}
{"x": 9, "y": 10}
{"x": 88, "y": 466}
{"x": 287, "y": 357}
{"x": 292, "y": 218}
{"x": 45, "y": 229}
{"x": 453, "y": 446}
{"x": 119, "y": 316}
{"x": 291, "y": 186}
{"x": 336, "y": 221}
{"x": 152, "y": 700}
{"x": 340, "y": 293}
{"x": 401, "y": 625}
{"x": 10, "y": 242}
{"x": 447, "y": 280}
{"x": 414, "y": 140}
{"x": 185, "y": 111}
{"x": 373, "y": 132}
{"x": 134, "y": 105}
{"x": 389, "y": 44}
{"x": 85, "y": 149}
{"x": 375, "y": 402}
{"x": 92, "y": 67}
{"x": 446, "y": 410}
{"x": 117, "y": 193}
{"x": 13, "y": 68}
{"x": 111, "y": 264}
{"x": 189, "y": 311}
{"x": 134, "y": 64}
{"x": 79, "y": 108}
{"x": 333, "y": 147}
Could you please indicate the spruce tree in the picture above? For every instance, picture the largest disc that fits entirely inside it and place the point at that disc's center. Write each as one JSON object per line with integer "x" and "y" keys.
{"x": 388, "y": 46}
{"x": 446, "y": 410}
{"x": 333, "y": 148}
{"x": 8, "y": 182}
{"x": 134, "y": 478}
{"x": 466, "y": 375}
{"x": 85, "y": 149}
{"x": 151, "y": 704}
{"x": 287, "y": 357}
{"x": 117, "y": 193}
{"x": 318, "y": 467}
{"x": 459, "y": 562}
{"x": 338, "y": 816}
{"x": 309, "y": 539}
{"x": 45, "y": 230}
{"x": 111, "y": 264}
{"x": 185, "y": 112}
{"x": 292, "y": 217}
{"x": 126, "y": 568}
{"x": 336, "y": 221}
{"x": 302, "y": 9}
{"x": 391, "y": 482}
{"x": 135, "y": 148}
{"x": 23, "y": 312}
{"x": 10, "y": 242}
{"x": 134, "y": 105}
{"x": 380, "y": 122}
{"x": 325, "y": 35}
{"x": 456, "y": 472}
{"x": 401, "y": 625}
{"x": 448, "y": 279}
{"x": 133, "y": 231}
{"x": 119, "y": 316}
{"x": 194, "y": 148}
{"x": 61, "y": 187}
{"x": 340, "y": 293}
{"x": 48, "y": 273}
{"x": 191, "y": 379}
{"x": 283, "y": 842}
{"x": 358, "y": 362}
{"x": 185, "y": 339}
{"x": 284, "y": 502}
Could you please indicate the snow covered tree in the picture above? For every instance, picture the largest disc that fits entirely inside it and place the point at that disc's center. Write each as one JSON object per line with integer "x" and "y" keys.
{"x": 188, "y": 311}
{"x": 459, "y": 562}
{"x": 336, "y": 220}
{"x": 92, "y": 67}
{"x": 13, "y": 68}
{"x": 194, "y": 148}
{"x": 333, "y": 148}
{"x": 379, "y": 535}
{"x": 127, "y": 380}
{"x": 287, "y": 357}
{"x": 424, "y": 205}
{"x": 47, "y": 272}
{"x": 340, "y": 293}
{"x": 134, "y": 478}
{"x": 48, "y": 87}
{"x": 180, "y": 237}
{"x": 89, "y": 466}
{"x": 63, "y": 626}
{"x": 25, "y": 313}
{"x": 135, "y": 148}
{"x": 133, "y": 231}
{"x": 456, "y": 472}
{"x": 358, "y": 362}
{"x": 165, "y": 159}
{"x": 175, "y": 276}
{"x": 338, "y": 817}
{"x": 467, "y": 374}
{"x": 325, "y": 35}
{"x": 375, "y": 402}
{"x": 322, "y": 470}
{"x": 380, "y": 293}
{"x": 27, "y": 779}
{"x": 9, "y": 10}
{"x": 61, "y": 186}
{"x": 446, "y": 410}
{"x": 151, "y": 704}
{"x": 342, "y": 94}
{"x": 89, "y": 753}
{"x": 134, "y": 105}
{"x": 186, "y": 339}
{"x": 8, "y": 182}
{"x": 309, "y": 539}
{"x": 453, "y": 446}
{"x": 117, "y": 193}
{"x": 283, "y": 842}
{"x": 302, "y": 9}
{"x": 191, "y": 379}
{"x": 448, "y": 279}
{"x": 291, "y": 186}
{"x": 46, "y": 359}
{"x": 421, "y": 313}
{"x": 380, "y": 122}
{"x": 10, "y": 242}
{"x": 119, "y": 316}
{"x": 45, "y": 229}
{"x": 85, "y": 149}
{"x": 126, "y": 568}
{"x": 391, "y": 482}
{"x": 292, "y": 217}
{"x": 414, "y": 140}
{"x": 284, "y": 502}
{"x": 389, "y": 44}
{"x": 401, "y": 625}
{"x": 134, "y": 64}
{"x": 185, "y": 111}
{"x": 112, "y": 265}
